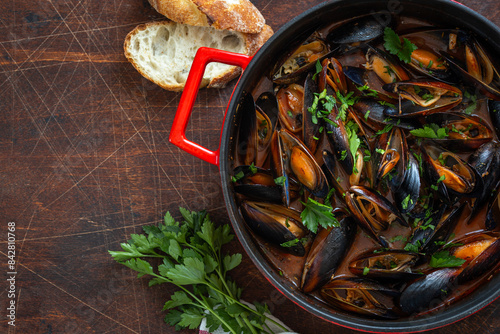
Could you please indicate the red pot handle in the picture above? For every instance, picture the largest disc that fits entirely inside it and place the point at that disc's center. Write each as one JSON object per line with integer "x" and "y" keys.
{"x": 178, "y": 132}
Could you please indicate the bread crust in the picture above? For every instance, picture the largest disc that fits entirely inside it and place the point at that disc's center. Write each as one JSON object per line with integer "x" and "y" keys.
{"x": 236, "y": 15}
{"x": 181, "y": 11}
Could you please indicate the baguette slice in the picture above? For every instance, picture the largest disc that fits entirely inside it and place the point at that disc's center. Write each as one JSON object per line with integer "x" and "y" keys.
{"x": 237, "y": 15}
{"x": 163, "y": 52}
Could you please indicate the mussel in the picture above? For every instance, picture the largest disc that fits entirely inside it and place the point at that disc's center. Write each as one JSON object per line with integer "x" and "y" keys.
{"x": 448, "y": 173}
{"x": 429, "y": 291}
{"x": 359, "y": 30}
{"x": 372, "y": 211}
{"x": 361, "y": 296}
{"x": 276, "y": 224}
{"x": 301, "y": 60}
{"x": 481, "y": 252}
{"x": 290, "y": 104}
{"x": 327, "y": 251}
{"x": 299, "y": 161}
{"x": 391, "y": 157}
{"x": 422, "y": 97}
{"x": 477, "y": 67}
{"x": 393, "y": 265}
{"x": 256, "y": 183}
{"x": 463, "y": 131}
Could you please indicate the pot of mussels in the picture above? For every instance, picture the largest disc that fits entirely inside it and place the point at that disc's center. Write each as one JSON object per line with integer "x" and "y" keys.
{"x": 360, "y": 161}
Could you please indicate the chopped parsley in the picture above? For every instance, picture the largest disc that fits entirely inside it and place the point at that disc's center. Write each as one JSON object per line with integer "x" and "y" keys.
{"x": 280, "y": 180}
{"x": 318, "y": 68}
{"x": 443, "y": 259}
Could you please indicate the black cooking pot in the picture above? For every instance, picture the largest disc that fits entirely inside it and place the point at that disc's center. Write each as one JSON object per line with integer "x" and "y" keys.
{"x": 442, "y": 12}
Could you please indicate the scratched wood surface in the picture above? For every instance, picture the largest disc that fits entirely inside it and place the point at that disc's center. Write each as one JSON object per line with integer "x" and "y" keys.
{"x": 85, "y": 161}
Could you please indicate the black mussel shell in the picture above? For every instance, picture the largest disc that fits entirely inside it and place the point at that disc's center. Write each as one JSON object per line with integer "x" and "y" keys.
{"x": 300, "y": 162}
{"x": 276, "y": 224}
{"x": 361, "y": 200}
{"x": 256, "y": 183}
{"x": 486, "y": 161}
{"x": 372, "y": 112}
{"x": 326, "y": 253}
{"x": 433, "y": 231}
{"x": 481, "y": 251}
{"x": 361, "y": 296}
{"x": 450, "y": 174}
{"x": 465, "y": 132}
{"x": 428, "y": 291}
{"x": 421, "y": 98}
{"x": 360, "y": 30}
{"x": 393, "y": 265}
{"x": 408, "y": 193}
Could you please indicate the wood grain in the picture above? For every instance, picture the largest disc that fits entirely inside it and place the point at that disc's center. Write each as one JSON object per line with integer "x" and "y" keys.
{"x": 85, "y": 161}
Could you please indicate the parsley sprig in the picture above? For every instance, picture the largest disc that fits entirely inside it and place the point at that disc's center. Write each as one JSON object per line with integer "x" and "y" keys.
{"x": 192, "y": 259}
{"x": 316, "y": 214}
{"x": 394, "y": 45}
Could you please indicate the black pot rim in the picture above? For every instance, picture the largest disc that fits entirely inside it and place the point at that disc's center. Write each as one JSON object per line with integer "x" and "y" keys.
{"x": 460, "y": 310}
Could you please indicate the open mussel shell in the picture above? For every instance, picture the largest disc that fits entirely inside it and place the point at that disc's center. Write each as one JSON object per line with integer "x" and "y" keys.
{"x": 256, "y": 183}
{"x": 393, "y": 265}
{"x": 373, "y": 114}
{"x": 359, "y": 30}
{"x": 385, "y": 66}
{"x": 301, "y": 61}
{"x": 486, "y": 161}
{"x": 464, "y": 131}
{"x": 299, "y": 161}
{"x": 391, "y": 157}
{"x": 481, "y": 251}
{"x": 422, "y": 97}
{"x": 332, "y": 77}
{"x": 437, "y": 228}
{"x": 428, "y": 291}
{"x": 450, "y": 174}
{"x": 276, "y": 224}
{"x": 427, "y": 59}
{"x": 372, "y": 211}
{"x": 290, "y": 105}
{"x": 361, "y": 296}
{"x": 327, "y": 251}
{"x": 477, "y": 67}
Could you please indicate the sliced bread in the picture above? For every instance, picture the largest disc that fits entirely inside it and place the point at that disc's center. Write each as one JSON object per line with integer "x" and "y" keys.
{"x": 237, "y": 15}
{"x": 164, "y": 51}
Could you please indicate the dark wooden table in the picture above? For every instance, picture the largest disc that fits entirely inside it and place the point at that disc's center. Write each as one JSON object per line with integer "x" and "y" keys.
{"x": 85, "y": 161}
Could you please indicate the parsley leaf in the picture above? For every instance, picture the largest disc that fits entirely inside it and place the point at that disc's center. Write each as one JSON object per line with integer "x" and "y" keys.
{"x": 352, "y": 134}
{"x": 443, "y": 259}
{"x": 318, "y": 69}
{"x": 316, "y": 214}
{"x": 393, "y": 45}
{"x": 280, "y": 180}
{"x": 431, "y": 130}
